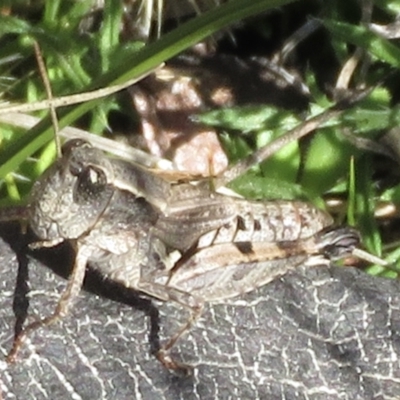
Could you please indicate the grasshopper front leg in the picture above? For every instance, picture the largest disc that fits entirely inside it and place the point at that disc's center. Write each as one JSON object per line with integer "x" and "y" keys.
{"x": 64, "y": 305}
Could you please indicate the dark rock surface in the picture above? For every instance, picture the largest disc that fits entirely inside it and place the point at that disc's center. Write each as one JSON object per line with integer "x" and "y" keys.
{"x": 316, "y": 333}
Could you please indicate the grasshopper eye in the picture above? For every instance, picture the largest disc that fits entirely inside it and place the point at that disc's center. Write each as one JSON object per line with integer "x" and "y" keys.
{"x": 92, "y": 181}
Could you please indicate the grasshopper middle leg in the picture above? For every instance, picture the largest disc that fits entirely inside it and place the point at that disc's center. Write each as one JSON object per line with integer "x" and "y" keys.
{"x": 195, "y": 306}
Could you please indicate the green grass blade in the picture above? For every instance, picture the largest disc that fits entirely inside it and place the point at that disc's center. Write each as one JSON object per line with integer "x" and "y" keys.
{"x": 369, "y": 41}
{"x": 143, "y": 61}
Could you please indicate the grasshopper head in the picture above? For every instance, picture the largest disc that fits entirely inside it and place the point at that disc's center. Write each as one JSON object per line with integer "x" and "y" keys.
{"x": 70, "y": 197}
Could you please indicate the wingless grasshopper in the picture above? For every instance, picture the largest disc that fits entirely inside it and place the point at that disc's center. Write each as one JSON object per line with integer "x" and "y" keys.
{"x": 181, "y": 242}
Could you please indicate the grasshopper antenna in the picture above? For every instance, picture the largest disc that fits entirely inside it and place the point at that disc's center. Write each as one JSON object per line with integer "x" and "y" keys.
{"x": 49, "y": 92}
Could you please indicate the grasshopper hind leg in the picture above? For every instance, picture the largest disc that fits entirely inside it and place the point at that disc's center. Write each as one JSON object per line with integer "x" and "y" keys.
{"x": 63, "y": 307}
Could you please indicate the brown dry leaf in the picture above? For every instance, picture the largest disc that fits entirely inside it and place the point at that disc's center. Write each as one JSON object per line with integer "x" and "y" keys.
{"x": 193, "y": 84}
{"x": 165, "y": 102}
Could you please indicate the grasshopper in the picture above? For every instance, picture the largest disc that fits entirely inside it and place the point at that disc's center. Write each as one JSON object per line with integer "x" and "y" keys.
{"x": 181, "y": 242}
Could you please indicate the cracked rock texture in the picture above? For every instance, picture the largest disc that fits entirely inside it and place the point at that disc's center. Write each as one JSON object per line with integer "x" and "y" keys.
{"x": 316, "y": 333}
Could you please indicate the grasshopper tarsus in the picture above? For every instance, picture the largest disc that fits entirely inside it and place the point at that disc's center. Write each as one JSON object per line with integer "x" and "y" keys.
{"x": 18, "y": 342}
{"x": 168, "y": 362}
{"x": 20, "y": 339}
{"x": 60, "y": 312}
